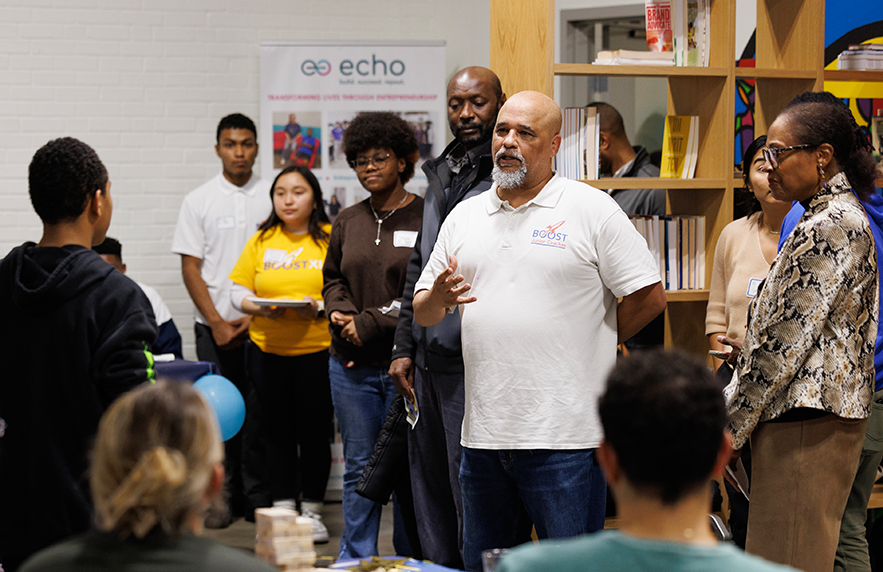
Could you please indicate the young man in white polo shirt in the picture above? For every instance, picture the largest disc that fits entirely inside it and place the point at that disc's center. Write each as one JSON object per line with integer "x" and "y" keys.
{"x": 215, "y": 222}
{"x": 543, "y": 261}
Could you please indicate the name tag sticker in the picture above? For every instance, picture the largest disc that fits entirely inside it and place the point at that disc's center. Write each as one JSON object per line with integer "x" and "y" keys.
{"x": 225, "y": 222}
{"x": 274, "y": 255}
{"x": 753, "y": 285}
{"x": 404, "y": 238}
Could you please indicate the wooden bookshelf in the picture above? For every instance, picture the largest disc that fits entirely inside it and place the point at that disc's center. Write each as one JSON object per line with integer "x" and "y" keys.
{"x": 790, "y": 56}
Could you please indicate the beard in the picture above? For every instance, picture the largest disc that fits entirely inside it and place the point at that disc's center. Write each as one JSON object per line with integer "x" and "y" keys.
{"x": 506, "y": 179}
{"x": 484, "y": 132}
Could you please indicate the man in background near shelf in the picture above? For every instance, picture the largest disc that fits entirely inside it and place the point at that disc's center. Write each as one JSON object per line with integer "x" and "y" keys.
{"x": 428, "y": 362}
{"x": 665, "y": 438}
{"x": 543, "y": 261}
{"x": 617, "y": 158}
{"x": 168, "y": 340}
{"x": 215, "y": 222}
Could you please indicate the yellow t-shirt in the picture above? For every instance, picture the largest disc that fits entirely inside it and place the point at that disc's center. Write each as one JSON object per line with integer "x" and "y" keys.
{"x": 283, "y": 265}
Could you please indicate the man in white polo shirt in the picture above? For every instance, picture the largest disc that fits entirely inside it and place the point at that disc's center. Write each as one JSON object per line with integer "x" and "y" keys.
{"x": 215, "y": 222}
{"x": 536, "y": 265}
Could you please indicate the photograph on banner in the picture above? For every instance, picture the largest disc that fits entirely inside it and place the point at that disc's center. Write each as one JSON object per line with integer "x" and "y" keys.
{"x": 297, "y": 139}
{"x": 310, "y": 91}
{"x": 422, "y": 122}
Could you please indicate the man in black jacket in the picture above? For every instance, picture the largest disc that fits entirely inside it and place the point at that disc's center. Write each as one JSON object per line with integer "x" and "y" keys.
{"x": 428, "y": 362}
{"x": 75, "y": 336}
{"x": 617, "y": 159}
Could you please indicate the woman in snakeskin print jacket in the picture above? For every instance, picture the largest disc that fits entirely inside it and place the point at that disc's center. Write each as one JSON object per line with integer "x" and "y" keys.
{"x": 803, "y": 381}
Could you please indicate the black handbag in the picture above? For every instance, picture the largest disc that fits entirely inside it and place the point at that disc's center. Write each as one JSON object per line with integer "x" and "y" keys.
{"x": 389, "y": 460}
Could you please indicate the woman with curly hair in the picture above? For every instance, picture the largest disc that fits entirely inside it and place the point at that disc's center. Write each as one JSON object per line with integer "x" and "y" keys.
{"x": 364, "y": 277}
{"x": 157, "y": 464}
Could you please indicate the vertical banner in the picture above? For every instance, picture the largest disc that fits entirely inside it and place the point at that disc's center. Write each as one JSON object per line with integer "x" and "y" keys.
{"x": 310, "y": 91}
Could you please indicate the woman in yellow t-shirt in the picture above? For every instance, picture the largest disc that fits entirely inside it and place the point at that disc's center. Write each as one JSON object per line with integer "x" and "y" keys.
{"x": 287, "y": 354}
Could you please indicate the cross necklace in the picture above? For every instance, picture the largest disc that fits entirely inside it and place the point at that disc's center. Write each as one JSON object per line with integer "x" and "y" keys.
{"x": 379, "y": 220}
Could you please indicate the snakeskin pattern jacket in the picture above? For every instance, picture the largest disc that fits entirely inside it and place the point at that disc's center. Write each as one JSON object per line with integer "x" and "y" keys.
{"x": 813, "y": 324}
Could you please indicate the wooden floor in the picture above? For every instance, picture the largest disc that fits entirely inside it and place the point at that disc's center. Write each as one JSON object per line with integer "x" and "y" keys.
{"x": 876, "y": 500}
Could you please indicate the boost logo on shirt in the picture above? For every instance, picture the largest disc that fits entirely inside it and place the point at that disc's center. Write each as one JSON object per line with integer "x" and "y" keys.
{"x": 550, "y": 236}
{"x": 276, "y": 259}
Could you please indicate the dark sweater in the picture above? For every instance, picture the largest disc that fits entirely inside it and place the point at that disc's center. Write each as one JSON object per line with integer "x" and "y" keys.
{"x": 99, "y": 551}
{"x": 437, "y": 348}
{"x": 73, "y": 339}
{"x": 362, "y": 277}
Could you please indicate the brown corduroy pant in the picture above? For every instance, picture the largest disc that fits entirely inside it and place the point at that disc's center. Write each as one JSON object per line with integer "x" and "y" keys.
{"x": 801, "y": 475}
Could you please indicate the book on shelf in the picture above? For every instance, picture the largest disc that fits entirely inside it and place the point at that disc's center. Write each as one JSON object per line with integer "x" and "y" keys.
{"x": 634, "y": 58}
{"x": 680, "y": 146}
{"x": 578, "y": 156}
{"x": 680, "y": 27}
{"x": 694, "y": 44}
{"x": 678, "y": 244}
{"x": 861, "y": 57}
{"x": 658, "y": 23}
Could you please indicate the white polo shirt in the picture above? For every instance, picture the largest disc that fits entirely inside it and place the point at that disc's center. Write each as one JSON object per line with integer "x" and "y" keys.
{"x": 541, "y": 338}
{"x": 215, "y": 222}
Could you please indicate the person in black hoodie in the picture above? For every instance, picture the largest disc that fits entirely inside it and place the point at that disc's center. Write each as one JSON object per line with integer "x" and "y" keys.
{"x": 75, "y": 336}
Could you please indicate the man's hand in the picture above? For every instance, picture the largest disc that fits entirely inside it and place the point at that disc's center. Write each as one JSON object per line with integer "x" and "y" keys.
{"x": 734, "y": 343}
{"x": 229, "y": 335}
{"x": 430, "y": 306}
{"x": 346, "y": 322}
{"x": 401, "y": 370}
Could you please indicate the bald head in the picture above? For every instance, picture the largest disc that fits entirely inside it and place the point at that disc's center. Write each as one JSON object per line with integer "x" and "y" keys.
{"x": 614, "y": 148}
{"x": 526, "y": 138}
{"x": 474, "y": 98}
{"x": 611, "y": 120}
{"x": 478, "y": 74}
{"x": 543, "y": 110}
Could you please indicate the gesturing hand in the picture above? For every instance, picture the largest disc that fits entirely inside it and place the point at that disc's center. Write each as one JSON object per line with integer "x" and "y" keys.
{"x": 447, "y": 289}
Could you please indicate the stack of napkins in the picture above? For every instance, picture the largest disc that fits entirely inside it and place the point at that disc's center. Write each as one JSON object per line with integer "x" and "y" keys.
{"x": 284, "y": 539}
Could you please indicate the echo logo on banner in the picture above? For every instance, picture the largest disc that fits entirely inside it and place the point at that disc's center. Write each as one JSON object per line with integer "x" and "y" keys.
{"x": 364, "y": 67}
{"x": 309, "y": 67}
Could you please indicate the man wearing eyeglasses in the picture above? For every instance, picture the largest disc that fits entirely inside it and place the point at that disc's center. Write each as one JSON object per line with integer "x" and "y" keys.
{"x": 428, "y": 362}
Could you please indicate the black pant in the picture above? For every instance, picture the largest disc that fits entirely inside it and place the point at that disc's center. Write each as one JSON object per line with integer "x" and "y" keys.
{"x": 295, "y": 397}
{"x": 245, "y": 462}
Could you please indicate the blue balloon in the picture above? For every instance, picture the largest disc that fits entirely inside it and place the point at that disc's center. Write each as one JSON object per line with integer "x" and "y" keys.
{"x": 225, "y": 400}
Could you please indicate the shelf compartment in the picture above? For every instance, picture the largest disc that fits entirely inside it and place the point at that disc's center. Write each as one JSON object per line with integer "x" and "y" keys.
{"x": 771, "y": 73}
{"x": 638, "y": 71}
{"x": 686, "y": 295}
{"x": 854, "y": 75}
{"x": 657, "y": 183}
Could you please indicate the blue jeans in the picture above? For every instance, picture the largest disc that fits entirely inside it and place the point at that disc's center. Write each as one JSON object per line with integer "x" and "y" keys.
{"x": 562, "y": 492}
{"x": 362, "y": 397}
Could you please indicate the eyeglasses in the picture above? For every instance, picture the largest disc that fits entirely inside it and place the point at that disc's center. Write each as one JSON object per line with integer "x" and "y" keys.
{"x": 771, "y": 154}
{"x": 361, "y": 163}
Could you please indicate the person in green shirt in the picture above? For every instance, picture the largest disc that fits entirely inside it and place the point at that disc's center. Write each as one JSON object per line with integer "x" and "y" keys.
{"x": 665, "y": 437}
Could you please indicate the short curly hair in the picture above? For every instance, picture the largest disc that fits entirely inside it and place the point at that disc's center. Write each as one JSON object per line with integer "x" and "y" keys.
{"x": 62, "y": 176}
{"x": 379, "y": 130}
{"x": 663, "y": 413}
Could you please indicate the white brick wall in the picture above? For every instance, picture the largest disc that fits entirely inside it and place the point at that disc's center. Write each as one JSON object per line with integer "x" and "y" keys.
{"x": 145, "y": 83}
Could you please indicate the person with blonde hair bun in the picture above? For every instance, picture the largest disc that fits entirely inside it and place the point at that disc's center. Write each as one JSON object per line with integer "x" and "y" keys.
{"x": 156, "y": 466}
